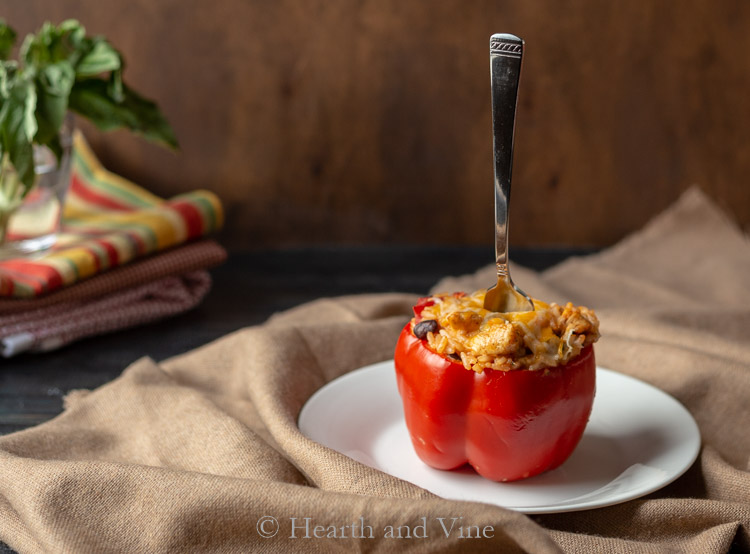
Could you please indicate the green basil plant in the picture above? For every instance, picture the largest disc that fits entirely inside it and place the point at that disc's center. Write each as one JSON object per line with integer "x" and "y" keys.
{"x": 59, "y": 69}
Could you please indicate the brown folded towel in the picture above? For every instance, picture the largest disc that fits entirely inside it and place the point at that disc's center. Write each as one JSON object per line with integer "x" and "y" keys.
{"x": 199, "y": 452}
{"x": 146, "y": 290}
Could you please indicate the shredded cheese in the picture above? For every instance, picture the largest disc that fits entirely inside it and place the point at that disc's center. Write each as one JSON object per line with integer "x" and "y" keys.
{"x": 549, "y": 336}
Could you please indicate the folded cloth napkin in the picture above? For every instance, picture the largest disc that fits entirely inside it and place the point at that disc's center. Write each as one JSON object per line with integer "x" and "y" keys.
{"x": 142, "y": 291}
{"x": 107, "y": 222}
{"x": 199, "y": 452}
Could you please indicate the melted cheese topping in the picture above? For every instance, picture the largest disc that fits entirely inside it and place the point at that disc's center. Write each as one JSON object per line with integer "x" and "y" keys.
{"x": 549, "y": 336}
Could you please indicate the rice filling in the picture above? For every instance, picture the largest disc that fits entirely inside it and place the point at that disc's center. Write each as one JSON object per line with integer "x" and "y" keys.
{"x": 549, "y": 336}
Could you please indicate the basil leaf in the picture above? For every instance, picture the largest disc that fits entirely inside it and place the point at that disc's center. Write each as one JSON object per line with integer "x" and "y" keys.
{"x": 90, "y": 98}
{"x": 7, "y": 39}
{"x": 101, "y": 58}
{"x": 8, "y": 69}
{"x": 34, "y": 51}
{"x": 18, "y": 127}
{"x": 53, "y": 44}
{"x": 53, "y": 84}
{"x": 73, "y": 43}
{"x": 114, "y": 87}
{"x": 75, "y": 32}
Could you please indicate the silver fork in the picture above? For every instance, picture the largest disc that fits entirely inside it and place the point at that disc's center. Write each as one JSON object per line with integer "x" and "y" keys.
{"x": 506, "y": 54}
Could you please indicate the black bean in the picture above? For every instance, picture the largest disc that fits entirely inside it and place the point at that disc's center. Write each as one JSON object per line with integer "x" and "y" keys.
{"x": 425, "y": 326}
{"x": 455, "y": 356}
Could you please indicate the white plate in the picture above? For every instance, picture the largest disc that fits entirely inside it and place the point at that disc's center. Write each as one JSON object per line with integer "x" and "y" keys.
{"x": 638, "y": 440}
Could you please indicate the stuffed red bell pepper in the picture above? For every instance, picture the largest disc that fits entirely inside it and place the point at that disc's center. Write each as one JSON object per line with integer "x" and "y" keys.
{"x": 509, "y": 393}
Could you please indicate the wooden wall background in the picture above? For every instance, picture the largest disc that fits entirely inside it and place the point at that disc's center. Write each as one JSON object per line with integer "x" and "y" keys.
{"x": 368, "y": 121}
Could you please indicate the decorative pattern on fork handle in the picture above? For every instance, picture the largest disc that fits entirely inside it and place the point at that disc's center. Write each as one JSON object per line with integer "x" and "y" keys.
{"x": 498, "y": 47}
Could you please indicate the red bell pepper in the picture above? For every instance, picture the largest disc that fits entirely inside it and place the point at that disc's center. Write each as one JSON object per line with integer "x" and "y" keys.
{"x": 507, "y": 425}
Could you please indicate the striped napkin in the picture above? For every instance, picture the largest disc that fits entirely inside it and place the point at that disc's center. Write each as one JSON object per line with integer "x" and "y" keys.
{"x": 107, "y": 222}
{"x": 145, "y": 290}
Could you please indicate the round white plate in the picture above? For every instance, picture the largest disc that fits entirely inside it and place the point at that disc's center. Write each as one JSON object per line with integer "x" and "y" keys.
{"x": 638, "y": 440}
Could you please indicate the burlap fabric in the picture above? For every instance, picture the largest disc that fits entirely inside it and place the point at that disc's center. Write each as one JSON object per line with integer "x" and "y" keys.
{"x": 191, "y": 454}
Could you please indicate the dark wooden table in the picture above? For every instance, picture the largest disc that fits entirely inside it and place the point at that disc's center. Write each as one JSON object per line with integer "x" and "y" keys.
{"x": 247, "y": 290}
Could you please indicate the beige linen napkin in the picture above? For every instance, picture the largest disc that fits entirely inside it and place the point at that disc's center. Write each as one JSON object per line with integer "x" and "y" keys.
{"x": 200, "y": 452}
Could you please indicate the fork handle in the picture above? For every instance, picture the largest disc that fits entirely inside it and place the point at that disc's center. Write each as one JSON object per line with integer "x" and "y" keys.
{"x": 506, "y": 53}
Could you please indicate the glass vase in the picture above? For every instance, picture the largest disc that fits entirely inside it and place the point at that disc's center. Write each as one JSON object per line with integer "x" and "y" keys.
{"x": 32, "y": 226}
